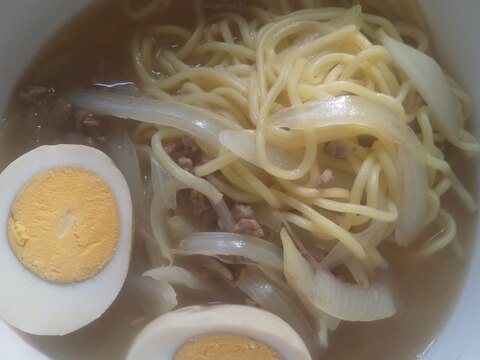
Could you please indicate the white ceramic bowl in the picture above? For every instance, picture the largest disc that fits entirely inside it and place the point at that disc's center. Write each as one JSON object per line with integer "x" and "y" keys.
{"x": 25, "y": 25}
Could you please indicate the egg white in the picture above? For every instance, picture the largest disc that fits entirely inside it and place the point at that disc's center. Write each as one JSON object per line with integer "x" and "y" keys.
{"x": 41, "y": 307}
{"x": 161, "y": 338}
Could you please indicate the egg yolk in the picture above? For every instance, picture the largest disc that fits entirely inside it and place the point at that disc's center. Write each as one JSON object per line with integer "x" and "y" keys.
{"x": 64, "y": 224}
{"x": 224, "y": 346}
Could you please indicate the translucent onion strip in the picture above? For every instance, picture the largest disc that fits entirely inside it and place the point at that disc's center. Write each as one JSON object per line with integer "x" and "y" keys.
{"x": 432, "y": 84}
{"x": 298, "y": 271}
{"x": 122, "y": 151}
{"x": 374, "y": 118}
{"x": 271, "y": 298}
{"x": 229, "y": 244}
{"x": 197, "y": 122}
{"x": 242, "y": 144}
{"x": 159, "y": 227}
{"x": 351, "y": 302}
{"x": 159, "y": 297}
{"x": 413, "y": 199}
{"x": 176, "y": 275}
{"x": 179, "y": 226}
{"x": 300, "y": 276}
{"x": 331, "y": 295}
{"x": 208, "y": 265}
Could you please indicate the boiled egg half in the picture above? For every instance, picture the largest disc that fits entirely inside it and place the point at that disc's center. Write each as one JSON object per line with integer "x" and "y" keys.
{"x": 66, "y": 218}
{"x": 219, "y": 332}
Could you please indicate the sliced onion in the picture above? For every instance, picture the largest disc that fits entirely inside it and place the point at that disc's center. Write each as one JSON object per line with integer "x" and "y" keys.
{"x": 325, "y": 292}
{"x": 179, "y": 226}
{"x": 243, "y": 144}
{"x": 198, "y": 123}
{"x": 358, "y": 271}
{"x": 300, "y": 276}
{"x": 298, "y": 271}
{"x": 271, "y": 298}
{"x": 228, "y": 244}
{"x": 210, "y": 264}
{"x": 123, "y": 152}
{"x": 370, "y": 116}
{"x": 431, "y": 83}
{"x": 351, "y": 302}
{"x": 123, "y": 88}
{"x": 176, "y": 275}
{"x": 413, "y": 200}
{"x": 159, "y": 227}
{"x": 159, "y": 297}
{"x": 154, "y": 250}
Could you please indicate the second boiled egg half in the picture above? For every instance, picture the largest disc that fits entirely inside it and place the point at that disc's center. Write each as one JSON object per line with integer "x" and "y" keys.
{"x": 66, "y": 218}
{"x": 219, "y": 332}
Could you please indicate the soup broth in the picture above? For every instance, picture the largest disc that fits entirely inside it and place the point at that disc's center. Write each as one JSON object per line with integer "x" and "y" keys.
{"x": 94, "y": 50}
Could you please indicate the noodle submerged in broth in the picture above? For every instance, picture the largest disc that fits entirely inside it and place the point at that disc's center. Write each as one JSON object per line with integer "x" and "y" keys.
{"x": 287, "y": 154}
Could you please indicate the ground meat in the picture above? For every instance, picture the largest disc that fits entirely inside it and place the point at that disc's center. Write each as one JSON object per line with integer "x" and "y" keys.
{"x": 240, "y": 211}
{"x": 201, "y": 208}
{"x": 181, "y": 146}
{"x": 209, "y": 217}
{"x": 190, "y": 147}
{"x": 172, "y": 146}
{"x": 199, "y": 203}
{"x": 32, "y": 94}
{"x": 202, "y": 159}
{"x": 185, "y": 163}
{"x": 248, "y": 227}
{"x": 325, "y": 177}
{"x": 245, "y": 221}
{"x": 185, "y": 152}
{"x": 46, "y": 113}
{"x": 88, "y": 123}
{"x": 336, "y": 149}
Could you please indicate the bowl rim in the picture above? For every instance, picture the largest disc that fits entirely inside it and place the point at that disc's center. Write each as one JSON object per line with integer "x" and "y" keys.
{"x": 457, "y": 337}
